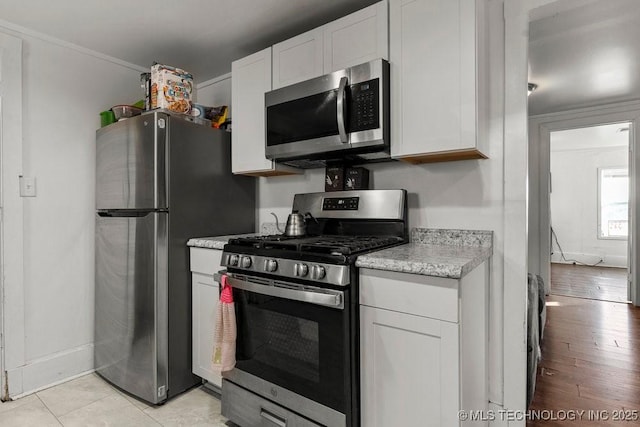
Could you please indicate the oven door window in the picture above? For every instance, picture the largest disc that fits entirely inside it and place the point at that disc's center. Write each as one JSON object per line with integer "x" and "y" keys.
{"x": 306, "y": 118}
{"x": 299, "y": 346}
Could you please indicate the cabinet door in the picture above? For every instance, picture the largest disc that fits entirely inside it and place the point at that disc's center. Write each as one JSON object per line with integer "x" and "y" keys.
{"x": 433, "y": 79}
{"x": 204, "y": 262}
{"x": 359, "y": 37}
{"x": 297, "y": 59}
{"x": 410, "y": 370}
{"x": 250, "y": 80}
{"x": 205, "y": 296}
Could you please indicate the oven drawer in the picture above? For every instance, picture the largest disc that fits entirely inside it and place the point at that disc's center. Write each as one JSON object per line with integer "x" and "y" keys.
{"x": 247, "y": 409}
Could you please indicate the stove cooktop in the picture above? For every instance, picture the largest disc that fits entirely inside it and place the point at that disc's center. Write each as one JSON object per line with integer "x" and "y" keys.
{"x": 323, "y": 244}
{"x": 347, "y": 224}
{"x": 323, "y": 259}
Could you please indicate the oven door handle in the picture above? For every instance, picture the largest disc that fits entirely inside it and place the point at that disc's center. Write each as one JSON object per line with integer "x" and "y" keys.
{"x": 325, "y": 297}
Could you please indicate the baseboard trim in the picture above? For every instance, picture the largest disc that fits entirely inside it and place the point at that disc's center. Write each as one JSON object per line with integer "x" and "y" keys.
{"x": 51, "y": 370}
{"x": 609, "y": 260}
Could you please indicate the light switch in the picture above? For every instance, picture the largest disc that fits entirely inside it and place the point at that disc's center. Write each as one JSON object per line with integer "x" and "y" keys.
{"x": 27, "y": 186}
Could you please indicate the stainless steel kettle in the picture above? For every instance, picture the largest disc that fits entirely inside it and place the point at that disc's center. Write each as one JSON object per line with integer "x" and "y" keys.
{"x": 296, "y": 224}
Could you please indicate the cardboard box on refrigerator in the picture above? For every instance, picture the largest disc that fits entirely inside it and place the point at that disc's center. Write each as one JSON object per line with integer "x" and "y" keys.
{"x": 171, "y": 88}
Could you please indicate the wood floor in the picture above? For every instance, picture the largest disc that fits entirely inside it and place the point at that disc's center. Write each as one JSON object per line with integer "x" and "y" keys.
{"x": 590, "y": 360}
{"x": 601, "y": 283}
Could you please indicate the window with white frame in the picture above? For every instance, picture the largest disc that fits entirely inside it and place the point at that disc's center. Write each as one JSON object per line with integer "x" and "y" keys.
{"x": 613, "y": 203}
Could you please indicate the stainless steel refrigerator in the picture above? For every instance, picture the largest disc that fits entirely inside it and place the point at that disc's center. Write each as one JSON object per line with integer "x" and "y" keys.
{"x": 160, "y": 180}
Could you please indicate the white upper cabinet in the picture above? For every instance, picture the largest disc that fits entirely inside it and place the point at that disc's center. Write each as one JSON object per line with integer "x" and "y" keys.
{"x": 297, "y": 59}
{"x": 438, "y": 80}
{"x": 357, "y": 38}
{"x": 251, "y": 79}
{"x": 354, "y": 39}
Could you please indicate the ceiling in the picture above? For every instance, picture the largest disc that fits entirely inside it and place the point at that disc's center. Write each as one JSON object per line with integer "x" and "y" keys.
{"x": 200, "y": 36}
{"x": 581, "y": 52}
{"x": 584, "y": 53}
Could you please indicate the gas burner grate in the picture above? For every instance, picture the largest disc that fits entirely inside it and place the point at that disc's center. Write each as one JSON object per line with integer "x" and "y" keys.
{"x": 329, "y": 244}
{"x": 348, "y": 245}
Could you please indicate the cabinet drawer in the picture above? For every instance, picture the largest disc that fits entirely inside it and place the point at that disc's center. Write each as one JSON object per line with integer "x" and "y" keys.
{"x": 205, "y": 261}
{"x": 425, "y": 296}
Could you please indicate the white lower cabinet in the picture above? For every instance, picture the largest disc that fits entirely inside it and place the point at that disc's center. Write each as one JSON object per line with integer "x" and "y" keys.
{"x": 409, "y": 373}
{"x": 423, "y": 348}
{"x": 205, "y": 295}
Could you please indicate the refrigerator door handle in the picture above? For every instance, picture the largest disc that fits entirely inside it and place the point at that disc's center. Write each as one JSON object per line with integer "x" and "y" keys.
{"x": 126, "y": 213}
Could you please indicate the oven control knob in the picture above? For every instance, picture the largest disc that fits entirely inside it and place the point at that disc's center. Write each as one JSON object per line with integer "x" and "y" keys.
{"x": 270, "y": 265}
{"x": 300, "y": 270}
{"x": 317, "y": 272}
{"x": 233, "y": 260}
{"x": 245, "y": 262}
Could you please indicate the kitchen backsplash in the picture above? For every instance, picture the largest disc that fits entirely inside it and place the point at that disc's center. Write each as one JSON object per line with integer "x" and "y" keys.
{"x": 441, "y": 195}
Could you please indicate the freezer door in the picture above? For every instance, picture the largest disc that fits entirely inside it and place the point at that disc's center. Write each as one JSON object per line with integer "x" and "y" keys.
{"x": 131, "y": 303}
{"x": 130, "y": 164}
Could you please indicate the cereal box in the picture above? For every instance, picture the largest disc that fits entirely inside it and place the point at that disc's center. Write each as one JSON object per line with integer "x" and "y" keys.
{"x": 171, "y": 88}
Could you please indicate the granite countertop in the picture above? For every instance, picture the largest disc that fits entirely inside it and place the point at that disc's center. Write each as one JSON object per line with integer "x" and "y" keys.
{"x": 431, "y": 252}
{"x": 440, "y": 253}
{"x": 218, "y": 242}
{"x": 215, "y": 242}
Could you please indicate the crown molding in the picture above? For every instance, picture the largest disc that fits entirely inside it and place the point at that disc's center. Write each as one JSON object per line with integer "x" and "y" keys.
{"x": 18, "y": 31}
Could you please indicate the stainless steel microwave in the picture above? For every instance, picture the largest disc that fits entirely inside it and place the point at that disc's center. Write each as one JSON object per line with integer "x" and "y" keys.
{"x": 339, "y": 116}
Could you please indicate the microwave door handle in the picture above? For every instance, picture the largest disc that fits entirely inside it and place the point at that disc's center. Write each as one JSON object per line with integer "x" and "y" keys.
{"x": 342, "y": 90}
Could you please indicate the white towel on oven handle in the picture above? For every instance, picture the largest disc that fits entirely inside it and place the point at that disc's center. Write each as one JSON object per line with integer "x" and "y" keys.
{"x": 225, "y": 331}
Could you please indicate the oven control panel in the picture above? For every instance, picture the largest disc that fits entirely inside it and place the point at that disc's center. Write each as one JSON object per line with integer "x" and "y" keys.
{"x": 289, "y": 268}
{"x": 340, "y": 203}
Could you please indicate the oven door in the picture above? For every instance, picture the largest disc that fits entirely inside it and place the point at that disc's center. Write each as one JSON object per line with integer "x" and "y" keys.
{"x": 295, "y": 337}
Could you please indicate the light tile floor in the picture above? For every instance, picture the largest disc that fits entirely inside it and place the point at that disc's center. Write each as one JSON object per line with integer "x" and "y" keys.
{"x": 90, "y": 401}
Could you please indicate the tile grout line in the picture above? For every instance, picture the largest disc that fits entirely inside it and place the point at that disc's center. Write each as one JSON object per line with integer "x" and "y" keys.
{"x": 48, "y": 409}
{"x": 73, "y": 410}
{"x": 141, "y": 410}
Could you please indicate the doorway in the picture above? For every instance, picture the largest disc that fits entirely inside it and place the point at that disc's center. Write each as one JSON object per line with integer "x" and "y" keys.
{"x": 541, "y": 128}
{"x": 589, "y": 212}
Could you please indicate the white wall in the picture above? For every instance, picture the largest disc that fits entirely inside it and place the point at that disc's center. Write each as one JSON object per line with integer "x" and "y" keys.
{"x": 441, "y": 195}
{"x": 215, "y": 92}
{"x": 64, "y": 90}
{"x": 574, "y": 205}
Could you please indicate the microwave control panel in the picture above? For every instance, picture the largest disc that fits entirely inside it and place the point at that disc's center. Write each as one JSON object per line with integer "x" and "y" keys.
{"x": 340, "y": 204}
{"x": 365, "y": 105}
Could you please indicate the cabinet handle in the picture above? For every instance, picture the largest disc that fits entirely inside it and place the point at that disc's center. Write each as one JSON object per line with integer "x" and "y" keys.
{"x": 340, "y": 108}
{"x": 280, "y": 422}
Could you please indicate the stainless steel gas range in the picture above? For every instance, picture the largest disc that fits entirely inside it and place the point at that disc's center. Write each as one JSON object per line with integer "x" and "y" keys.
{"x": 297, "y": 311}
